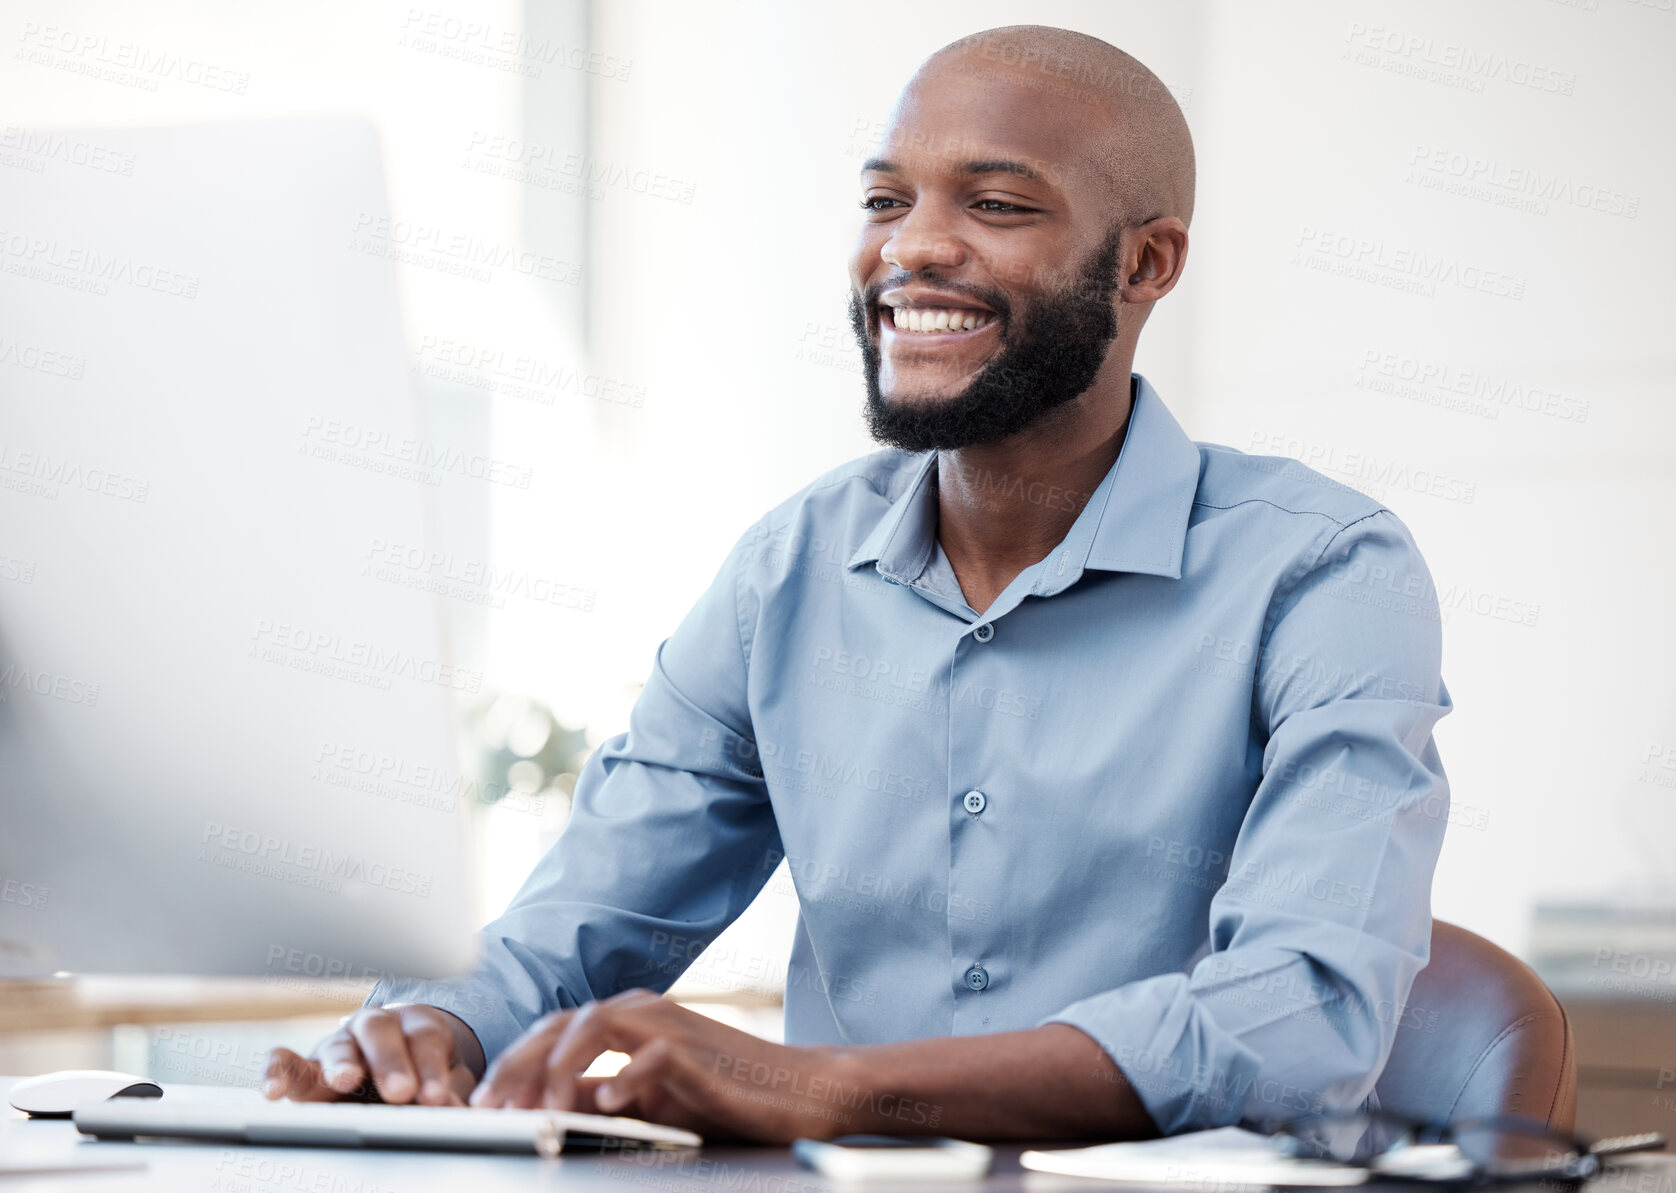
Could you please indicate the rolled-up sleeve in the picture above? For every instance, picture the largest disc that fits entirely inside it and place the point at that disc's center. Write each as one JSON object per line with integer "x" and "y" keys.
{"x": 1325, "y": 917}
{"x": 670, "y": 837}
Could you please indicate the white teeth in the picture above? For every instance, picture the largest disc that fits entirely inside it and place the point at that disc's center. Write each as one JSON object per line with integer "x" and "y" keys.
{"x": 932, "y": 320}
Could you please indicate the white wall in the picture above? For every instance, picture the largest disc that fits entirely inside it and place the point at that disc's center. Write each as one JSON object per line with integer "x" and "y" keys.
{"x": 1555, "y": 574}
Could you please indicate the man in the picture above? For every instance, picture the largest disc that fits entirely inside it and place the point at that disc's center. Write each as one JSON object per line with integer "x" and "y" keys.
{"x": 1111, "y": 809}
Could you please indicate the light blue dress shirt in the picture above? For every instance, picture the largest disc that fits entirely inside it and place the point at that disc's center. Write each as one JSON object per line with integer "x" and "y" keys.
{"x": 1176, "y": 787}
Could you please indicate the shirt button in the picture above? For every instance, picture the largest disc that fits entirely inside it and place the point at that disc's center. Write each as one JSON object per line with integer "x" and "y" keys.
{"x": 975, "y": 802}
{"x": 984, "y": 632}
{"x": 976, "y": 978}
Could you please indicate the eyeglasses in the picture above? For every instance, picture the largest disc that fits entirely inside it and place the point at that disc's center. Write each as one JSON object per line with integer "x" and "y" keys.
{"x": 1506, "y": 1149}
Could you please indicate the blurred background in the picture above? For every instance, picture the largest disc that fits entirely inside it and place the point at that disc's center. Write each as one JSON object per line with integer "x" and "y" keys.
{"x": 1431, "y": 258}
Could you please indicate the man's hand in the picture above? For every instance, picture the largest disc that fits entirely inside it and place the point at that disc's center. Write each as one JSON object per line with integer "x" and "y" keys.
{"x": 397, "y": 1054}
{"x": 684, "y": 1069}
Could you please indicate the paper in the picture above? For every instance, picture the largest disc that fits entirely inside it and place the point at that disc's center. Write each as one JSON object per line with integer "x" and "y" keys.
{"x": 1224, "y": 1159}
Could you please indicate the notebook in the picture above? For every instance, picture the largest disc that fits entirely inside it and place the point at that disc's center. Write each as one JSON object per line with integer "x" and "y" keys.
{"x": 1224, "y": 1159}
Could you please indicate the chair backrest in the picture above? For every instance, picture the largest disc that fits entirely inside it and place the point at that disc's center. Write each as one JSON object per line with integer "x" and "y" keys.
{"x": 1480, "y": 1035}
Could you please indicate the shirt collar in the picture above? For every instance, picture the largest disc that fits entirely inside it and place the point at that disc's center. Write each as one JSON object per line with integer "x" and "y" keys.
{"x": 1136, "y": 520}
{"x": 901, "y": 541}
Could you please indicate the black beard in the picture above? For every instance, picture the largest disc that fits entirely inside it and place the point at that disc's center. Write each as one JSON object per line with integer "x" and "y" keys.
{"x": 1053, "y": 356}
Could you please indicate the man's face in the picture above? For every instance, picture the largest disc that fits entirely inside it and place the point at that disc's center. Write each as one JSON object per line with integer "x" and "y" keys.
{"x": 984, "y": 282}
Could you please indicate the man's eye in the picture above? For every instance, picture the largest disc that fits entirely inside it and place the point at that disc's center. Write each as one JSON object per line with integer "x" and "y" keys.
{"x": 869, "y": 203}
{"x": 1000, "y": 205}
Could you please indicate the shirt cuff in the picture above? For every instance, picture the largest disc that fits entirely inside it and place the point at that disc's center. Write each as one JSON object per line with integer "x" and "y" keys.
{"x": 1189, "y": 1073}
{"x": 483, "y": 1010}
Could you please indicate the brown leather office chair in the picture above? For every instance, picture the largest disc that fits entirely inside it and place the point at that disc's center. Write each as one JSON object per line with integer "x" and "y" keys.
{"x": 1480, "y": 1035}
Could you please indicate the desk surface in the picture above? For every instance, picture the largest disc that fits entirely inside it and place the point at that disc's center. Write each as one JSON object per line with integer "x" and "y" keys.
{"x": 219, "y": 1168}
{"x": 90, "y": 1003}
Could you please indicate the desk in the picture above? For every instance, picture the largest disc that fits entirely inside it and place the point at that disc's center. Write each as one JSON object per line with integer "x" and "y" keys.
{"x": 218, "y": 1030}
{"x": 218, "y": 1168}
{"x": 72, "y": 1004}
{"x": 1626, "y": 1064}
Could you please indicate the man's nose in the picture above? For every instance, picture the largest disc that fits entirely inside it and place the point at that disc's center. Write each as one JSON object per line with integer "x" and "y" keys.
{"x": 919, "y": 239}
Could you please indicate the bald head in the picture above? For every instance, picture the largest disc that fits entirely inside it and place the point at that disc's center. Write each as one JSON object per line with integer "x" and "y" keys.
{"x": 1029, "y": 198}
{"x": 1138, "y": 144}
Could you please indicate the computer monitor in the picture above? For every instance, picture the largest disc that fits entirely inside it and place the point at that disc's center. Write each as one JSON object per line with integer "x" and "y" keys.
{"x": 227, "y": 743}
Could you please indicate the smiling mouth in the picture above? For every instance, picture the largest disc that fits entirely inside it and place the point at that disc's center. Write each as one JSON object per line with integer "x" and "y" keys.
{"x": 934, "y": 321}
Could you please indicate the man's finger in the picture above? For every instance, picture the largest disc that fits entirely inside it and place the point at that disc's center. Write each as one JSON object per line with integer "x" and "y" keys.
{"x": 635, "y": 1081}
{"x": 342, "y": 1067}
{"x": 570, "y": 1056}
{"x": 379, "y": 1035}
{"x": 521, "y": 1065}
{"x": 295, "y": 1077}
{"x": 675, "y": 1089}
{"x": 687, "y": 1086}
{"x": 612, "y": 1024}
{"x": 584, "y": 1095}
{"x": 276, "y": 1074}
{"x": 431, "y": 1046}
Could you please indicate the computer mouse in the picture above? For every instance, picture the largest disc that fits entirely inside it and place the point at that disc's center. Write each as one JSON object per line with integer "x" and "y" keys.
{"x": 56, "y": 1095}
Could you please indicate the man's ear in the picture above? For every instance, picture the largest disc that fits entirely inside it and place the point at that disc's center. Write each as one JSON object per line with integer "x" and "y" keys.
{"x": 1155, "y": 257}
